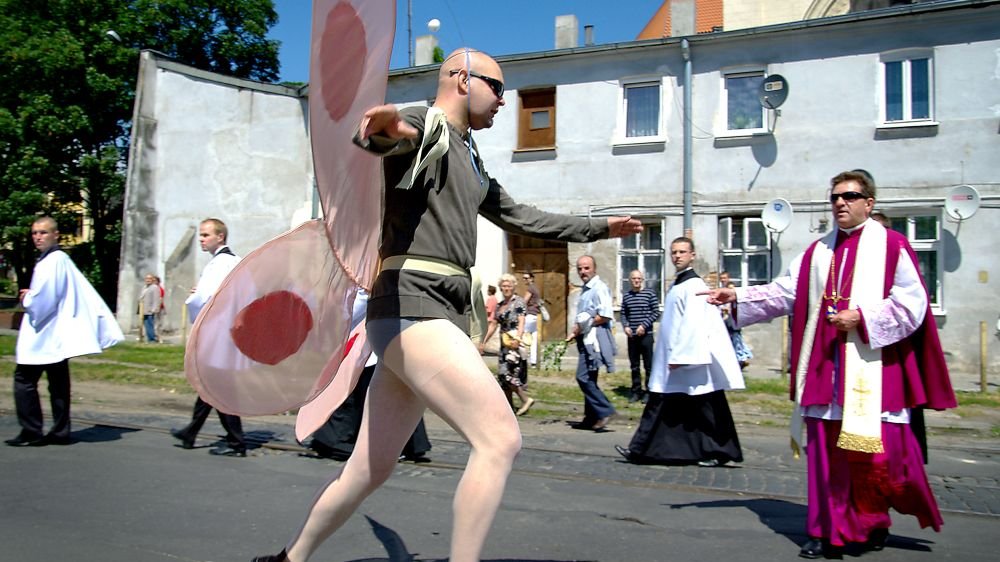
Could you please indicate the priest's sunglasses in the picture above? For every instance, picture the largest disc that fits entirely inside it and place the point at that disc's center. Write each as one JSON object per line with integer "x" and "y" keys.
{"x": 847, "y": 196}
{"x": 493, "y": 83}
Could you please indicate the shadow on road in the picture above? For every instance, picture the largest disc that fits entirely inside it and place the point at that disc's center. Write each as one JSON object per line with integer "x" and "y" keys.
{"x": 100, "y": 434}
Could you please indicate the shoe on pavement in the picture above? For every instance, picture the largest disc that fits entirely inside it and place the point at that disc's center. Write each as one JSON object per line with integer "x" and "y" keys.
{"x": 877, "y": 539}
{"x": 279, "y": 557}
{"x": 626, "y": 452}
{"x": 57, "y": 440}
{"x": 817, "y": 548}
{"x": 186, "y": 443}
{"x": 25, "y": 439}
{"x": 601, "y": 424}
{"x": 227, "y": 451}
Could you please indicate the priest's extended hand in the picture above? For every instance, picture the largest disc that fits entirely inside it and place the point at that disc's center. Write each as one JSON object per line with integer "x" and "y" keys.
{"x": 719, "y": 296}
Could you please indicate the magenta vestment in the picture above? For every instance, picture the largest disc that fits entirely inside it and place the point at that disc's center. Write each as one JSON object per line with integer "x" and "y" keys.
{"x": 850, "y": 492}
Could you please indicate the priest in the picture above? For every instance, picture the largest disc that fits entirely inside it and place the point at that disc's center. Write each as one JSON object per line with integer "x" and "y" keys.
{"x": 866, "y": 357}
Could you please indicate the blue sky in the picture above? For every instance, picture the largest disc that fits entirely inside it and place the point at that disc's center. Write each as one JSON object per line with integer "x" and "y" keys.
{"x": 499, "y": 28}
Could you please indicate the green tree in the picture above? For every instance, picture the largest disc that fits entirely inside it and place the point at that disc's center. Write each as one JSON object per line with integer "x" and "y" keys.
{"x": 69, "y": 71}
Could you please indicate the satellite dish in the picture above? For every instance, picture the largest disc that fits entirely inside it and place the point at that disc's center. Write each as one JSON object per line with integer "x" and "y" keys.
{"x": 777, "y": 215}
{"x": 961, "y": 202}
{"x": 773, "y": 91}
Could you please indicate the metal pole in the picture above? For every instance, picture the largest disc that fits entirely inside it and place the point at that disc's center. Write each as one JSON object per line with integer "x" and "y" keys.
{"x": 686, "y": 53}
{"x": 409, "y": 30}
{"x": 982, "y": 357}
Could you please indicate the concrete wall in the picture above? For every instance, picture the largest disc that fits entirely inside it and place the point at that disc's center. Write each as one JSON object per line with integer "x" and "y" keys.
{"x": 206, "y": 146}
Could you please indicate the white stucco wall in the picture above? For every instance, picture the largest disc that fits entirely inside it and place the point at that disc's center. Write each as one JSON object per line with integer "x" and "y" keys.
{"x": 204, "y": 146}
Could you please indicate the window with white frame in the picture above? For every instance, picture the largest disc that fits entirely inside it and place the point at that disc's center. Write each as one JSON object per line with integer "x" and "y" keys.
{"x": 907, "y": 80}
{"x": 640, "y": 114}
{"x": 642, "y": 251}
{"x": 745, "y": 250}
{"x": 923, "y": 230}
{"x": 740, "y": 101}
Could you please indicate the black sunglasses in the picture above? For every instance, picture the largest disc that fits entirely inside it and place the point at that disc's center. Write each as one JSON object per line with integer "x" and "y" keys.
{"x": 847, "y": 196}
{"x": 493, "y": 83}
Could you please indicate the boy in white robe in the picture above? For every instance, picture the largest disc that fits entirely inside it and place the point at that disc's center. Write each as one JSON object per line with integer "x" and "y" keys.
{"x": 64, "y": 317}
{"x": 687, "y": 418}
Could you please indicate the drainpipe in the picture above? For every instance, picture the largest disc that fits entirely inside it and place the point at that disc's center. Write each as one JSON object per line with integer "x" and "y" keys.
{"x": 686, "y": 54}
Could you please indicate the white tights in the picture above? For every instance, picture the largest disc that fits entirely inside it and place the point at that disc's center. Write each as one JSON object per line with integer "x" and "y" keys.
{"x": 432, "y": 364}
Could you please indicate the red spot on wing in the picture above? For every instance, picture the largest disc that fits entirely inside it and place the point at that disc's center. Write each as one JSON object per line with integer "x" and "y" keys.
{"x": 272, "y": 327}
{"x": 350, "y": 344}
{"x": 342, "y": 55}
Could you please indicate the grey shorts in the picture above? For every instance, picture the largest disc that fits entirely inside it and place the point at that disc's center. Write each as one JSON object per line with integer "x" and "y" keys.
{"x": 383, "y": 330}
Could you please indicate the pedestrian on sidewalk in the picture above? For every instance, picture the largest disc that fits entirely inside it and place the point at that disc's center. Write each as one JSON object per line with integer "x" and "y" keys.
{"x": 64, "y": 317}
{"x": 533, "y": 308}
{"x": 866, "y": 357}
{"x": 640, "y": 309}
{"x": 510, "y": 320}
{"x": 151, "y": 302}
{"x": 595, "y": 343}
{"x": 687, "y": 418}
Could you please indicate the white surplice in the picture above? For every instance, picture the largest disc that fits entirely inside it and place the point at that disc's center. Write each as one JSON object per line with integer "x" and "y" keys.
{"x": 212, "y": 276}
{"x": 693, "y": 334}
{"x": 64, "y": 316}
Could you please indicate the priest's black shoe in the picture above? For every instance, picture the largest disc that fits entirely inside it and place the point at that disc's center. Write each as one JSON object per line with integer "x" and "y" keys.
{"x": 228, "y": 452}
{"x": 186, "y": 443}
{"x": 25, "y": 439}
{"x": 817, "y": 548}
{"x": 877, "y": 539}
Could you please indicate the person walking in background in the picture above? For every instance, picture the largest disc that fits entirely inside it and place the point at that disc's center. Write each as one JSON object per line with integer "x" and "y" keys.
{"x": 151, "y": 302}
{"x": 743, "y": 352}
{"x": 491, "y": 309}
{"x": 213, "y": 237}
{"x": 595, "y": 343}
{"x": 510, "y": 318}
{"x": 687, "y": 418}
{"x": 64, "y": 317}
{"x": 865, "y": 357}
{"x": 640, "y": 308}
{"x": 533, "y": 305}
{"x": 162, "y": 313}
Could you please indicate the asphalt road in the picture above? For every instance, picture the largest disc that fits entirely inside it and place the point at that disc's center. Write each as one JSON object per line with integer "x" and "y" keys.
{"x": 123, "y": 491}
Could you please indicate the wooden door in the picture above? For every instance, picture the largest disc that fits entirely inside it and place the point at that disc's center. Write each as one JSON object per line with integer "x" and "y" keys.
{"x": 551, "y": 269}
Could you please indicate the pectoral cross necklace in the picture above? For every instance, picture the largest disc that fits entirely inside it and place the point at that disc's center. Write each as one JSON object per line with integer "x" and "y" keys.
{"x": 836, "y": 297}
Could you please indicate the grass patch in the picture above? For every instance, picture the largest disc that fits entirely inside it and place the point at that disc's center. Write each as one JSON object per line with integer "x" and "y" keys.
{"x": 7, "y": 344}
{"x": 987, "y": 399}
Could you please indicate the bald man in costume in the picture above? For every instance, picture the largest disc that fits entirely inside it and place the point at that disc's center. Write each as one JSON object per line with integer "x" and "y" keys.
{"x": 418, "y": 313}
{"x": 866, "y": 357}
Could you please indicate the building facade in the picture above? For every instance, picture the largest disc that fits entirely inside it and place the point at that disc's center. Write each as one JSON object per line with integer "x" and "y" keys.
{"x": 909, "y": 93}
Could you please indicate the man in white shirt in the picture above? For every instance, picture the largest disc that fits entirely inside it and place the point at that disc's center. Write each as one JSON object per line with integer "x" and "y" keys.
{"x": 212, "y": 235}
{"x": 595, "y": 343}
{"x": 64, "y": 317}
